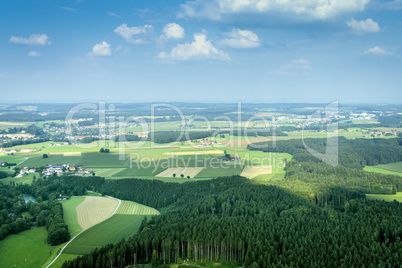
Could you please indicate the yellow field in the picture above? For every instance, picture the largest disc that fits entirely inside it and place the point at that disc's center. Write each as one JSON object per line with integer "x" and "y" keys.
{"x": 94, "y": 210}
{"x": 196, "y": 152}
{"x": 72, "y": 154}
{"x": 189, "y": 171}
{"x": 132, "y": 208}
{"x": 253, "y": 171}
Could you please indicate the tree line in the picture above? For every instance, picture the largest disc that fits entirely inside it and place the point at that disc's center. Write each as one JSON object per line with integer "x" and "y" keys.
{"x": 232, "y": 220}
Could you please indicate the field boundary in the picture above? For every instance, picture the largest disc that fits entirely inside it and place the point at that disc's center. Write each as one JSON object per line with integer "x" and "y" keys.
{"x": 62, "y": 249}
{"x": 26, "y": 158}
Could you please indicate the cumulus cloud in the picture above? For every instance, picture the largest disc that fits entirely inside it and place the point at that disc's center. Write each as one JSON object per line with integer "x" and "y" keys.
{"x": 34, "y": 39}
{"x": 200, "y": 48}
{"x": 241, "y": 39}
{"x": 364, "y": 26}
{"x": 377, "y": 50}
{"x": 314, "y": 9}
{"x": 134, "y": 35}
{"x": 34, "y": 54}
{"x": 173, "y": 31}
{"x": 102, "y": 49}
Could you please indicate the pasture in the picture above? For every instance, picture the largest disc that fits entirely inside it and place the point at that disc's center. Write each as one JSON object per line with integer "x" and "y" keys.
{"x": 395, "y": 167}
{"x": 26, "y": 179}
{"x": 388, "y": 198}
{"x": 11, "y": 158}
{"x": 110, "y": 231}
{"x": 94, "y": 210}
{"x": 380, "y": 170}
{"x": 53, "y": 159}
{"x": 26, "y": 249}
{"x": 70, "y": 214}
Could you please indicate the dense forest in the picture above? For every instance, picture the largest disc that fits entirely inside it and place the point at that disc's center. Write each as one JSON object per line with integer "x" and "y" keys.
{"x": 309, "y": 177}
{"x": 231, "y": 219}
{"x": 17, "y": 216}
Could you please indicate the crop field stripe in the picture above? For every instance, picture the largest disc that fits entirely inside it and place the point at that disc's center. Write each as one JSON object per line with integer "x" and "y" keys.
{"x": 61, "y": 251}
{"x": 94, "y": 210}
{"x": 132, "y": 208}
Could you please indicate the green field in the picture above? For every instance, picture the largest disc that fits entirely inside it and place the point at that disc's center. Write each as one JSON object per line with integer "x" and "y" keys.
{"x": 395, "y": 167}
{"x": 26, "y": 249}
{"x": 27, "y": 179}
{"x": 388, "y": 198}
{"x": 11, "y": 158}
{"x": 381, "y": 170}
{"x": 70, "y": 214}
{"x": 39, "y": 161}
{"x": 132, "y": 208}
{"x": 110, "y": 231}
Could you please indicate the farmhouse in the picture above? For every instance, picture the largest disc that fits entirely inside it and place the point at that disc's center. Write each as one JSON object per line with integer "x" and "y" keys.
{"x": 206, "y": 143}
{"x": 2, "y": 163}
{"x": 24, "y": 171}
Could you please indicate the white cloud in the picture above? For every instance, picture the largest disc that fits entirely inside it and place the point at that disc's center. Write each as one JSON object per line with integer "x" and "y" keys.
{"x": 173, "y": 31}
{"x": 134, "y": 35}
{"x": 5, "y": 75}
{"x": 69, "y": 9}
{"x": 241, "y": 39}
{"x": 34, "y": 39}
{"x": 377, "y": 50}
{"x": 294, "y": 67}
{"x": 393, "y": 5}
{"x": 364, "y": 26}
{"x": 113, "y": 14}
{"x": 102, "y": 49}
{"x": 313, "y": 9}
{"x": 200, "y": 48}
{"x": 297, "y": 64}
{"x": 34, "y": 54}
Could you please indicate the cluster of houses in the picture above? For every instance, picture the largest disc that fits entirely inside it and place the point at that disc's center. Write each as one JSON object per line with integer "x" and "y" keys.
{"x": 71, "y": 169}
{"x": 206, "y": 143}
{"x": 382, "y": 133}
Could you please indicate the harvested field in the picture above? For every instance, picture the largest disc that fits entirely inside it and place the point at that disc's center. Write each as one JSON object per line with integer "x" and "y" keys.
{"x": 253, "y": 171}
{"x": 94, "y": 210}
{"x": 186, "y": 171}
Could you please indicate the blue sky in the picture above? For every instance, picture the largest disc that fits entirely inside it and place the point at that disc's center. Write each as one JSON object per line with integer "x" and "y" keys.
{"x": 201, "y": 51}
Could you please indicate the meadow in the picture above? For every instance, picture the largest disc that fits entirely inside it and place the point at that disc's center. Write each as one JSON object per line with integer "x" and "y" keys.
{"x": 110, "y": 231}
{"x": 70, "y": 214}
{"x": 382, "y": 170}
{"x": 26, "y": 249}
{"x": 394, "y": 167}
{"x": 388, "y": 198}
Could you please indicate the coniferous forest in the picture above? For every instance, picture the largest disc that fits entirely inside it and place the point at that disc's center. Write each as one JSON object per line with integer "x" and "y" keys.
{"x": 232, "y": 220}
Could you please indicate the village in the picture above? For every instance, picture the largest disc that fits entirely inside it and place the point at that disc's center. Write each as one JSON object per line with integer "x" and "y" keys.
{"x": 58, "y": 170}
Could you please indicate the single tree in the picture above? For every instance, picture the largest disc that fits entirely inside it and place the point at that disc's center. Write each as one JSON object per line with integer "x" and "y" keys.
{"x": 45, "y": 156}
